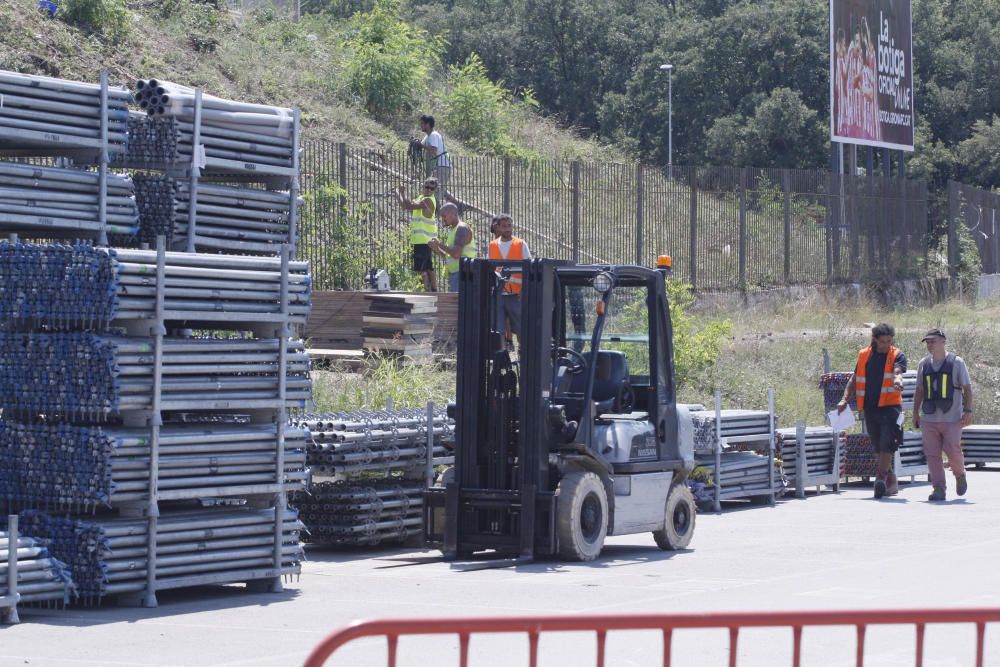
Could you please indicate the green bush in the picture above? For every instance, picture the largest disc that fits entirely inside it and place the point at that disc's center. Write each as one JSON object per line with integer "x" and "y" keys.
{"x": 480, "y": 111}
{"x": 109, "y": 18}
{"x": 696, "y": 348}
{"x": 390, "y": 66}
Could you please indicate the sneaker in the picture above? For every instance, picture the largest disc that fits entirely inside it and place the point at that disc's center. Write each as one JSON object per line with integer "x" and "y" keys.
{"x": 961, "y": 485}
{"x": 938, "y": 494}
{"x": 879, "y": 488}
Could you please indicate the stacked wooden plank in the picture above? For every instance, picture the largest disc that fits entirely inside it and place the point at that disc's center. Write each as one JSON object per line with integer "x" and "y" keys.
{"x": 399, "y": 324}
{"x": 981, "y": 443}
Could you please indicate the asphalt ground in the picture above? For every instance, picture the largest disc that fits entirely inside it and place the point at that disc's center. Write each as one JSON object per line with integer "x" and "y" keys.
{"x": 828, "y": 551}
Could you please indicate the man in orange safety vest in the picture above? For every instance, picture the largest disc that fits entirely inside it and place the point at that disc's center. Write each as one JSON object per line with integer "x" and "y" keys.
{"x": 508, "y": 246}
{"x": 877, "y": 387}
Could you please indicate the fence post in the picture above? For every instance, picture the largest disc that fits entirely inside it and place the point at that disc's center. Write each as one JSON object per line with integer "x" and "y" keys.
{"x": 342, "y": 173}
{"x": 693, "y": 256}
{"x": 639, "y": 195}
{"x": 743, "y": 229}
{"x": 576, "y": 210}
{"x": 954, "y": 208}
{"x": 507, "y": 178}
{"x": 786, "y": 186}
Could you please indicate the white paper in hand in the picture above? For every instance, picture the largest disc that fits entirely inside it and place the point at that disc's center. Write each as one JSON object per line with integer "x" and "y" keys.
{"x": 841, "y": 421}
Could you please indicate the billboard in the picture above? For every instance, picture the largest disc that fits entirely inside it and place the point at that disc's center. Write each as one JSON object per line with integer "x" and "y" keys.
{"x": 871, "y": 73}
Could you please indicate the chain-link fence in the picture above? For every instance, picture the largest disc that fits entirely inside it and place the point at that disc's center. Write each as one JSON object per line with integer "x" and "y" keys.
{"x": 725, "y": 228}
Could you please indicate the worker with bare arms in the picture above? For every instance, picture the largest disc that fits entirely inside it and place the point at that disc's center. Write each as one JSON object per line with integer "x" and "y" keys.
{"x": 458, "y": 243}
{"x": 877, "y": 385}
{"x": 508, "y": 246}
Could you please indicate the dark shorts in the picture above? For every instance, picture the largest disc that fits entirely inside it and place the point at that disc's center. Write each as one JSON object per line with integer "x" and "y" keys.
{"x": 422, "y": 258}
{"x": 881, "y": 424}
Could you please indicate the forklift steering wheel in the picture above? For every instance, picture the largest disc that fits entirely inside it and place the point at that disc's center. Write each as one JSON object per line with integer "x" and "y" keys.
{"x": 575, "y": 362}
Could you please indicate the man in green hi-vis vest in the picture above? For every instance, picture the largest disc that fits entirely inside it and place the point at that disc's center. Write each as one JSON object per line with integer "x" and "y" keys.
{"x": 458, "y": 242}
{"x": 423, "y": 227}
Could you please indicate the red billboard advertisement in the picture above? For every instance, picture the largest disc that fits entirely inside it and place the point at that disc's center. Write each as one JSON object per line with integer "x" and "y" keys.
{"x": 871, "y": 73}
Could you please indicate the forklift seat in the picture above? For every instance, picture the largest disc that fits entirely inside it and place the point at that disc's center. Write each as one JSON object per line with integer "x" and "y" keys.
{"x": 611, "y": 385}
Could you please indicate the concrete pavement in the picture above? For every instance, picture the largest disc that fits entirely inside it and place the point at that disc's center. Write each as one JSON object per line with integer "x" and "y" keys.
{"x": 830, "y": 551}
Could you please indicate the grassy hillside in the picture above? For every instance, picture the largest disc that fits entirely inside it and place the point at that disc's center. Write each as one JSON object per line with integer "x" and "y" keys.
{"x": 258, "y": 57}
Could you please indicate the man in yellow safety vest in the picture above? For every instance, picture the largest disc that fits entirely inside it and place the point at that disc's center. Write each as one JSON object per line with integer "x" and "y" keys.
{"x": 423, "y": 228}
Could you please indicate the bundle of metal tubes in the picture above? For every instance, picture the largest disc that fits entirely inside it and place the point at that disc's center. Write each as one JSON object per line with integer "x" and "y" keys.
{"x": 226, "y": 217}
{"x": 89, "y": 376}
{"x": 228, "y": 130}
{"x": 80, "y": 286}
{"x": 353, "y": 443}
{"x": 361, "y": 512}
{"x": 912, "y": 459}
{"x": 54, "y": 201}
{"x": 81, "y": 468}
{"x": 35, "y": 108}
{"x": 734, "y": 423}
{"x": 981, "y": 443}
{"x": 833, "y": 386}
{"x": 820, "y": 445}
{"x": 41, "y": 579}
{"x": 109, "y": 556}
{"x": 741, "y": 475}
{"x": 859, "y": 456}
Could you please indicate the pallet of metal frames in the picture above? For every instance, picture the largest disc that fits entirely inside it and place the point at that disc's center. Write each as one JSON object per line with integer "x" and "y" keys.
{"x": 46, "y": 112}
{"x": 166, "y": 134}
{"x": 228, "y": 218}
{"x": 733, "y": 425}
{"x": 54, "y": 202}
{"x": 61, "y": 467}
{"x": 740, "y": 475}
{"x": 85, "y": 376}
{"x": 29, "y": 575}
{"x": 360, "y": 512}
{"x": 61, "y": 287}
{"x": 815, "y": 462}
{"x": 981, "y": 444}
{"x": 110, "y": 555}
{"x": 910, "y": 460}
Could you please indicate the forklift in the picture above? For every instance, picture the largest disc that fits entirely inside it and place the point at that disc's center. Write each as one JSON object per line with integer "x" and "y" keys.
{"x": 575, "y": 434}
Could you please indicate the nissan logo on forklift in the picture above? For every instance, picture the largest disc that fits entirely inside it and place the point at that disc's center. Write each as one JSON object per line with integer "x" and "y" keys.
{"x": 575, "y": 433}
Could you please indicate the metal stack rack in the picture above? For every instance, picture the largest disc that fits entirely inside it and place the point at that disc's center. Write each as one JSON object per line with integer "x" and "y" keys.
{"x": 225, "y": 174}
{"x": 811, "y": 457}
{"x": 748, "y": 471}
{"x": 78, "y": 123}
{"x": 189, "y": 421}
{"x": 375, "y": 466}
{"x": 8, "y": 601}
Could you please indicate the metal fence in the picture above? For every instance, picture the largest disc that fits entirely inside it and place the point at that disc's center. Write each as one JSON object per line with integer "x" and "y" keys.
{"x": 726, "y": 228}
{"x": 979, "y": 210}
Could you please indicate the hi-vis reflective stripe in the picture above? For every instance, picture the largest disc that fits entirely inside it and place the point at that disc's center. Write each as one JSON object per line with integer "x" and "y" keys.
{"x": 944, "y": 385}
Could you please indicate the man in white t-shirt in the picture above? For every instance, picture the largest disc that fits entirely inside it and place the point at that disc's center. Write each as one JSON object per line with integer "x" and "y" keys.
{"x": 438, "y": 162}
{"x": 942, "y": 407}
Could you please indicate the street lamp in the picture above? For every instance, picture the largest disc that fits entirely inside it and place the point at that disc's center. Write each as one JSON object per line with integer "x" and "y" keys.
{"x": 670, "y": 112}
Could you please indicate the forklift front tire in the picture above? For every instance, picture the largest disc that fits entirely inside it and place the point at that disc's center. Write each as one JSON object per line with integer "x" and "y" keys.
{"x": 582, "y": 516}
{"x": 679, "y": 516}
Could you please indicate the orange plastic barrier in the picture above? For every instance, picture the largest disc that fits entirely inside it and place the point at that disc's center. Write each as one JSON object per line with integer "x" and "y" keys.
{"x": 534, "y": 626}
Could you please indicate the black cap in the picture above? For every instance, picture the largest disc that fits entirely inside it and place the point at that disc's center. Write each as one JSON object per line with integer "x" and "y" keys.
{"x": 933, "y": 333}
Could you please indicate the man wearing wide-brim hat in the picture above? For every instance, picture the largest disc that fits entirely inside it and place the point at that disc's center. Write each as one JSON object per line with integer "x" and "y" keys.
{"x": 942, "y": 406}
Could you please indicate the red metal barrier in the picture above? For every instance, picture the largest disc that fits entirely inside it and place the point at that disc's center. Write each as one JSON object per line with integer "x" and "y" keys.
{"x": 533, "y": 626}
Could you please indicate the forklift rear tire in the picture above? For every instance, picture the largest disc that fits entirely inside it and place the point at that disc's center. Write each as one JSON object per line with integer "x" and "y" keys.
{"x": 582, "y": 516}
{"x": 678, "y": 524}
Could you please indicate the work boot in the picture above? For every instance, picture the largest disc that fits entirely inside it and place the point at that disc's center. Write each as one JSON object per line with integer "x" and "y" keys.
{"x": 961, "y": 485}
{"x": 937, "y": 494}
{"x": 880, "y": 485}
{"x": 891, "y": 484}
